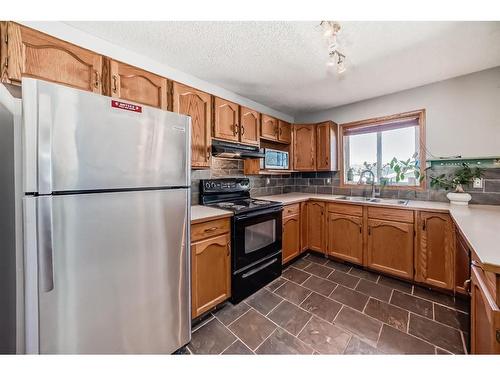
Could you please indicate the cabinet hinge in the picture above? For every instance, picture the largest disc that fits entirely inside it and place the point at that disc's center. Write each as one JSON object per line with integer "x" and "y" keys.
{"x": 498, "y": 335}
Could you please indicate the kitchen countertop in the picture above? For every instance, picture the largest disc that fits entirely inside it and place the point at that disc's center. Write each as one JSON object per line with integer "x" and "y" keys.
{"x": 480, "y": 224}
{"x": 200, "y": 214}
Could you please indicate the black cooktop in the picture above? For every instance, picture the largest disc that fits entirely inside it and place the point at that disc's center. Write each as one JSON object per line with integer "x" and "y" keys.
{"x": 232, "y": 194}
{"x": 244, "y": 205}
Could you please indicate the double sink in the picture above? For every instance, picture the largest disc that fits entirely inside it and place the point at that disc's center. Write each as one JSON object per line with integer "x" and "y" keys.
{"x": 397, "y": 202}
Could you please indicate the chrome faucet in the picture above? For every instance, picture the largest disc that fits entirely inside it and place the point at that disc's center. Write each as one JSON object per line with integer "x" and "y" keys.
{"x": 374, "y": 195}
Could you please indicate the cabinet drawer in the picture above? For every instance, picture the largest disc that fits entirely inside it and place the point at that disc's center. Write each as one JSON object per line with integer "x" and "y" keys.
{"x": 291, "y": 209}
{"x": 209, "y": 229}
{"x": 392, "y": 214}
{"x": 346, "y": 209}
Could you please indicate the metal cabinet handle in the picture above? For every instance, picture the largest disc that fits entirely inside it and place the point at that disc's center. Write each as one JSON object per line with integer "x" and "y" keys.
{"x": 208, "y": 153}
{"x": 45, "y": 250}
{"x": 467, "y": 285}
{"x": 360, "y": 228}
{"x": 424, "y": 225}
{"x": 96, "y": 83}
{"x": 242, "y": 130}
{"x": 235, "y": 129}
{"x": 115, "y": 84}
{"x": 476, "y": 264}
{"x": 369, "y": 231}
{"x": 210, "y": 229}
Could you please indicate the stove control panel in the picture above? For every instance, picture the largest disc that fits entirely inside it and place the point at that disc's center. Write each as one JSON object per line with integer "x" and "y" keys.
{"x": 224, "y": 185}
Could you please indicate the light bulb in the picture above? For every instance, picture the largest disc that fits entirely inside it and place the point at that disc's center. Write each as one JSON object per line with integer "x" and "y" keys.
{"x": 328, "y": 33}
{"x": 332, "y": 61}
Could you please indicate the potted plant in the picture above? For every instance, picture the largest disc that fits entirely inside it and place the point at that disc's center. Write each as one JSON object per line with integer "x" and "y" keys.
{"x": 457, "y": 180}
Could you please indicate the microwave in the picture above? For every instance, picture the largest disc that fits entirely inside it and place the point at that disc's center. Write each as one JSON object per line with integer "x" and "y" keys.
{"x": 274, "y": 159}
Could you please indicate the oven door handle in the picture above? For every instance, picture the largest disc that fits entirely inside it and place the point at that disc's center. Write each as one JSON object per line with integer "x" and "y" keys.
{"x": 258, "y": 213}
{"x": 260, "y": 268}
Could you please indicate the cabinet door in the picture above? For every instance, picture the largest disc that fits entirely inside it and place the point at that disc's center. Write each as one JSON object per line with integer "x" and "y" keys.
{"x": 269, "y": 128}
{"x": 137, "y": 85}
{"x": 29, "y": 53}
{"x": 316, "y": 226}
{"x": 462, "y": 264}
{"x": 210, "y": 273}
{"x": 345, "y": 237}
{"x": 304, "y": 148}
{"x": 226, "y": 120}
{"x": 291, "y": 237}
{"x": 196, "y": 104}
{"x": 284, "y": 131}
{"x": 390, "y": 247}
{"x": 485, "y": 317}
{"x": 304, "y": 242}
{"x": 323, "y": 142}
{"x": 436, "y": 250}
{"x": 250, "y": 126}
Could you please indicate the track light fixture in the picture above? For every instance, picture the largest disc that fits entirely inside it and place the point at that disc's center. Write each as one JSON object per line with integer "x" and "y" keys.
{"x": 335, "y": 57}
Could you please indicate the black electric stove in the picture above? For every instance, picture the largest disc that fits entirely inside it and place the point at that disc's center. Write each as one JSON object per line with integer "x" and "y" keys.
{"x": 256, "y": 233}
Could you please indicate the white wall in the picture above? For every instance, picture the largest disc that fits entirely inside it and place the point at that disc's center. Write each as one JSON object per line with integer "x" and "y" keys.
{"x": 462, "y": 114}
{"x": 68, "y": 33}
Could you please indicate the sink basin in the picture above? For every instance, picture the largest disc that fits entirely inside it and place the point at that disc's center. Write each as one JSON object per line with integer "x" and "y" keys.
{"x": 355, "y": 199}
{"x": 398, "y": 202}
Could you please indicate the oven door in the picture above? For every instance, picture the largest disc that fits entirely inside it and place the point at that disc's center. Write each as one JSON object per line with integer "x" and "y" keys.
{"x": 256, "y": 236}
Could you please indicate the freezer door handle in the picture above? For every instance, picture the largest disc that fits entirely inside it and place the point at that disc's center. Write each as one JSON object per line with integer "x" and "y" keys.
{"x": 45, "y": 248}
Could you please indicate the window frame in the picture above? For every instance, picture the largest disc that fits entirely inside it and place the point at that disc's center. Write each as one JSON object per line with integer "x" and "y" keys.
{"x": 420, "y": 114}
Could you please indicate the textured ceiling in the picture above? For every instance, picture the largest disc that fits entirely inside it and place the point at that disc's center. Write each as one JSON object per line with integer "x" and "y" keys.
{"x": 282, "y": 64}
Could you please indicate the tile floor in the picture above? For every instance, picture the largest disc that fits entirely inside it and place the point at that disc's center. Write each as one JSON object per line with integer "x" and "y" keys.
{"x": 319, "y": 306}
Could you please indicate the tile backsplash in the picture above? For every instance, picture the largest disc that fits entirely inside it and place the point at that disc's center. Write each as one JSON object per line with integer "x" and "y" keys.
{"x": 329, "y": 183}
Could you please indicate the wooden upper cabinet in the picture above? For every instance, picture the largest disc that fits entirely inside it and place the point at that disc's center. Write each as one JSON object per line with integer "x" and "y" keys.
{"x": 29, "y": 53}
{"x": 345, "y": 237}
{"x": 390, "y": 247}
{"x": 210, "y": 273}
{"x": 485, "y": 317}
{"x": 249, "y": 126}
{"x": 284, "y": 131}
{"x": 462, "y": 264}
{"x": 137, "y": 85}
{"x": 226, "y": 120}
{"x": 304, "y": 147}
{"x": 196, "y": 104}
{"x": 436, "y": 250}
{"x": 269, "y": 128}
{"x": 316, "y": 226}
{"x": 326, "y": 146}
{"x": 291, "y": 236}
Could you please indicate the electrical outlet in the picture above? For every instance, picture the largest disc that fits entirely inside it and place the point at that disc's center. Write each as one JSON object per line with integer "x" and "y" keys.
{"x": 328, "y": 181}
{"x": 268, "y": 180}
{"x": 478, "y": 183}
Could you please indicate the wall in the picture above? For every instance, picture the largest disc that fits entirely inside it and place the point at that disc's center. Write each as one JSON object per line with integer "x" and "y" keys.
{"x": 462, "y": 113}
{"x": 68, "y": 33}
{"x": 259, "y": 185}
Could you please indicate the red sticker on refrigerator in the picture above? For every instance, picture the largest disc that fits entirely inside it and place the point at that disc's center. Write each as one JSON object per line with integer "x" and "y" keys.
{"x": 126, "y": 106}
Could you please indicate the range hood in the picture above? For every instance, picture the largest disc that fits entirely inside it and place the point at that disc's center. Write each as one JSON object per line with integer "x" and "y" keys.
{"x": 230, "y": 150}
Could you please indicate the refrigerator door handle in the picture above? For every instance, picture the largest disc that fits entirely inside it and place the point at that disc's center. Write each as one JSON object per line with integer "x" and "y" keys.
{"x": 45, "y": 248}
{"x": 44, "y": 144}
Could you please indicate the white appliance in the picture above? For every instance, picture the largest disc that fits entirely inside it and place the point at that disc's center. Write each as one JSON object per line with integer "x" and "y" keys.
{"x": 106, "y": 217}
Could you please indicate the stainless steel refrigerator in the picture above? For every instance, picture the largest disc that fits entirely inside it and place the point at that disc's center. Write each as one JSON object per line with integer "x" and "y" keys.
{"x": 106, "y": 223}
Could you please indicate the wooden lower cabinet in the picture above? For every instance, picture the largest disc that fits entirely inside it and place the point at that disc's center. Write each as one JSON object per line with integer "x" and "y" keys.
{"x": 303, "y": 227}
{"x": 435, "y": 253}
{"x": 485, "y": 316}
{"x": 210, "y": 272}
{"x": 345, "y": 237}
{"x": 316, "y": 226}
{"x": 291, "y": 237}
{"x": 390, "y": 247}
{"x": 462, "y": 264}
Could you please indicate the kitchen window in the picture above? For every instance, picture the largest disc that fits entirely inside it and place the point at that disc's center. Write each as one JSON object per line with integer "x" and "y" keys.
{"x": 387, "y": 151}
